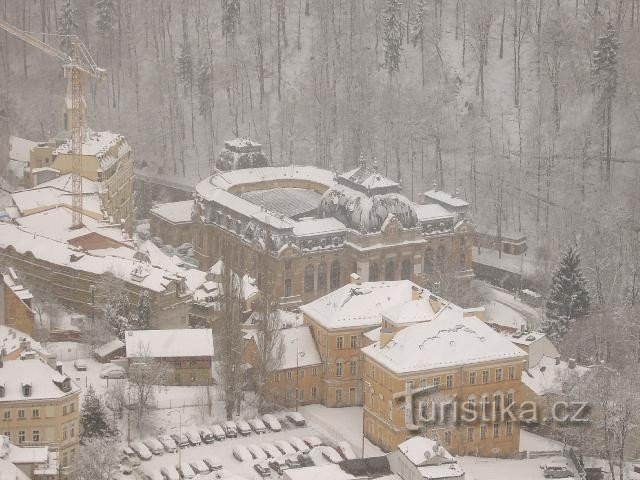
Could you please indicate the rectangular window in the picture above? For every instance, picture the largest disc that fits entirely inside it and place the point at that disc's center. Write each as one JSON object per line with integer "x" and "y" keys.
{"x": 314, "y": 392}
{"x": 511, "y": 373}
{"x": 470, "y": 434}
{"x": 64, "y": 410}
{"x": 353, "y": 367}
{"x": 21, "y": 436}
{"x": 314, "y": 371}
{"x": 449, "y": 381}
{"x": 436, "y": 381}
{"x": 7, "y": 414}
{"x": 301, "y": 372}
{"x": 498, "y": 374}
{"x": 497, "y": 402}
{"x": 340, "y": 343}
{"x": 354, "y": 341}
{"x": 64, "y": 433}
{"x": 35, "y": 413}
{"x": 496, "y": 430}
{"x": 301, "y": 395}
{"x": 509, "y": 427}
{"x": 447, "y": 438}
{"x": 373, "y": 372}
{"x": 276, "y": 377}
{"x": 287, "y": 287}
{"x": 338, "y": 369}
{"x": 289, "y": 375}
{"x": 485, "y": 376}
{"x": 483, "y": 432}
{"x": 472, "y": 378}
{"x": 509, "y": 399}
{"x": 35, "y": 435}
{"x": 21, "y": 413}
{"x": 339, "y": 395}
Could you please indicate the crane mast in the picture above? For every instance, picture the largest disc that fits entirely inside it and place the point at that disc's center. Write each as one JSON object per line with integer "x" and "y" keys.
{"x": 76, "y": 65}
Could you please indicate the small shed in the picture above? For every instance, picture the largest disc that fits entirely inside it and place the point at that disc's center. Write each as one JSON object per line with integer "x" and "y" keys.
{"x": 110, "y": 351}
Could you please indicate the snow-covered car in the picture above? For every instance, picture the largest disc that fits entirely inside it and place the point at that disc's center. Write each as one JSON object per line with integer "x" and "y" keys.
{"x": 305, "y": 460}
{"x": 296, "y": 418}
{"x": 243, "y": 427}
{"x": 285, "y": 447}
{"x": 271, "y": 450}
{"x": 126, "y": 469}
{"x": 242, "y": 453}
{"x": 199, "y": 467}
{"x": 169, "y": 472}
{"x": 193, "y": 437}
{"x": 218, "y": 432}
{"x": 168, "y": 443}
{"x": 345, "y": 450}
{"x": 230, "y": 429}
{"x": 312, "y": 441}
{"x": 279, "y": 465}
{"x": 212, "y": 463}
{"x": 331, "y": 454}
{"x": 80, "y": 365}
{"x": 151, "y": 474}
{"x": 263, "y": 469}
{"x": 130, "y": 456}
{"x": 299, "y": 445}
{"x": 257, "y": 425}
{"x": 112, "y": 371}
{"x": 292, "y": 461}
{"x": 272, "y": 422}
{"x": 257, "y": 452}
{"x": 186, "y": 472}
{"x": 206, "y": 435}
{"x": 141, "y": 450}
{"x": 180, "y": 439}
{"x": 153, "y": 445}
{"x": 556, "y": 471}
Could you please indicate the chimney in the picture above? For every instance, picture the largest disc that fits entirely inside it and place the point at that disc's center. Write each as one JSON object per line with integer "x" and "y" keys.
{"x": 59, "y": 367}
{"x": 386, "y": 334}
{"x": 355, "y": 279}
{"x": 572, "y": 363}
{"x": 416, "y": 292}
{"x": 435, "y": 303}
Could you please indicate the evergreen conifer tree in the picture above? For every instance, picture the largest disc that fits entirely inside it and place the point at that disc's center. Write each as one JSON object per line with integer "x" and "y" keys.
{"x": 93, "y": 421}
{"x": 142, "y": 319}
{"x": 569, "y": 298}
{"x": 392, "y": 36}
{"x": 185, "y": 66}
{"x": 67, "y": 25}
{"x": 106, "y": 13}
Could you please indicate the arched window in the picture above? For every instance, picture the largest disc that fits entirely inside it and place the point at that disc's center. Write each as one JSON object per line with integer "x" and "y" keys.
{"x": 428, "y": 261}
{"x": 405, "y": 270}
{"x": 335, "y": 274}
{"x": 390, "y": 270}
{"x": 374, "y": 272}
{"x": 322, "y": 277}
{"x": 309, "y": 281}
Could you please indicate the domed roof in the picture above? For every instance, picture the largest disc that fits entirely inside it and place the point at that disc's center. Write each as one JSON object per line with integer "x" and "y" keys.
{"x": 366, "y": 213}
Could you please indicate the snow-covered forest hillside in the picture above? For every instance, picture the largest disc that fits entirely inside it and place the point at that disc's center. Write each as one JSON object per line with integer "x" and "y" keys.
{"x": 528, "y": 108}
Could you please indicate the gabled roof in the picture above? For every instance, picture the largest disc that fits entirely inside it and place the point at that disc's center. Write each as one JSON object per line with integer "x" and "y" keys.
{"x": 443, "y": 197}
{"x": 45, "y": 381}
{"x": 186, "y": 342}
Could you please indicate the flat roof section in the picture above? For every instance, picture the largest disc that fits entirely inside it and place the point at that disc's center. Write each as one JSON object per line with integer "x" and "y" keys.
{"x": 290, "y": 202}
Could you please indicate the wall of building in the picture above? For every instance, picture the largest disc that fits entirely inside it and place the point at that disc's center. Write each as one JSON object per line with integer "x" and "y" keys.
{"x": 15, "y": 312}
{"x": 174, "y": 234}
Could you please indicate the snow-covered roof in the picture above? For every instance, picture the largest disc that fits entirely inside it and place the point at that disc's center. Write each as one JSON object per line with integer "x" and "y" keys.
{"x": 45, "y": 381}
{"x": 44, "y": 196}
{"x": 63, "y": 182}
{"x": 28, "y": 455}
{"x": 432, "y": 211}
{"x": 95, "y": 144}
{"x": 356, "y": 306}
{"x": 414, "y": 311}
{"x": 175, "y": 212}
{"x": 443, "y": 342}
{"x": 290, "y": 202}
{"x": 368, "y": 178}
{"x": 549, "y": 376}
{"x": 423, "y": 451}
{"x": 526, "y": 338}
{"x": 241, "y": 142}
{"x": 319, "y": 472}
{"x": 20, "y": 149}
{"x": 187, "y": 342}
{"x": 505, "y": 261}
{"x": 61, "y": 253}
{"x": 299, "y": 348}
{"x": 446, "y": 470}
{"x": 286, "y": 318}
{"x": 109, "y": 347}
{"x": 11, "y": 340}
{"x": 445, "y": 198}
{"x": 318, "y": 226}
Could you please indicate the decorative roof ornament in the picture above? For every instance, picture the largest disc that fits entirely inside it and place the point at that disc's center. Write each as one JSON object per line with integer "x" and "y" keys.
{"x": 375, "y": 164}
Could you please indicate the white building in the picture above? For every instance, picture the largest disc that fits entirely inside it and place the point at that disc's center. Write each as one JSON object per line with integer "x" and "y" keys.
{"x": 421, "y": 458}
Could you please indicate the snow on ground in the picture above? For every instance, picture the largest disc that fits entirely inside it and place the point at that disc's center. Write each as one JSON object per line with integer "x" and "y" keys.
{"x": 536, "y": 443}
{"x": 506, "y": 469}
{"x": 506, "y": 310}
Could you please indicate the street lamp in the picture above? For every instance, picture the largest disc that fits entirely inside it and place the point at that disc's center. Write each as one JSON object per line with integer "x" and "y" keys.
{"x": 179, "y": 434}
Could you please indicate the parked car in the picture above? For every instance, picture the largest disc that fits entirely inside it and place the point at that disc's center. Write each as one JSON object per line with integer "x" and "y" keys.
{"x": 296, "y": 418}
{"x": 257, "y": 452}
{"x": 213, "y": 464}
{"x": 142, "y": 451}
{"x": 186, "y": 472}
{"x": 257, "y": 425}
{"x": 126, "y": 469}
{"x": 169, "y": 472}
{"x": 312, "y": 441}
{"x": 168, "y": 443}
{"x": 152, "y": 475}
{"x": 346, "y": 451}
{"x": 305, "y": 460}
{"x": 292, "y": 461}
{"x": 284, "y": 447}
{"x": 299, "y": 445}
{"x": 230, "y": 429}
{"x": 556, "y": 471}
{"x": 153, "y": 445}
{"x": 112, "y": 371}
{"x": 243, "y": 428}
{"x": 271, "y": 450}
{"x": 272, "y": 422}
{"x": 206, "y": 435}
{"x": 263, "y": 469}
{"x": 193, "y": 437}
{"x": 199, "y": 467}
{"x": 80, "y": 365}
{"x": 218, "y": 432}
{"x": 130, "y": 456}
{"x": 242, "y": 454}
{"x": 279, "y": 465}
{"x": 330, "y": 454}
{"x": 181, "y": 440}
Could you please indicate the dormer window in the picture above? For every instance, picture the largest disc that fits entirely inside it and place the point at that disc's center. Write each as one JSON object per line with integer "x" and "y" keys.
{"x": 26, "y": 389}
{"x": 66, "y": 385}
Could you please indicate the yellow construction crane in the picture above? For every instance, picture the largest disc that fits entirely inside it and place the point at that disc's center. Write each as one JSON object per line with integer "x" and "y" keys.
{"x": 76, "y": 66}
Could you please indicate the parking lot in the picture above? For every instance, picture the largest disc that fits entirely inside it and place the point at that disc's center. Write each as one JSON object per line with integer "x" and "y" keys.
{"x": 222, "y": 451}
